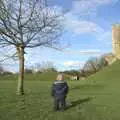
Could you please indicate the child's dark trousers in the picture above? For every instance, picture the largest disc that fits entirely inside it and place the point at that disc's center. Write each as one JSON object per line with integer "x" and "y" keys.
{"x": 59, "y": 103}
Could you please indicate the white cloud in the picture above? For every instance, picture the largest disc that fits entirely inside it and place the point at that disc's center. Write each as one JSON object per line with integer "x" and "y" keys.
{"x": 83, "y": 26}
{"x": 92, "y": 52}
{"x": 69, "y": 63}
{"x": 73, "y": 64}
{"x": 89, "y": 6}
{"x": 80, "y": 26}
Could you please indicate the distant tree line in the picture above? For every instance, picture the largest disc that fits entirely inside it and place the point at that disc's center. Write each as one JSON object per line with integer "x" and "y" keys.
{"x": 3, "y": 71}
{"x": 44, "y": 66}
{"x": 92, "y": 65}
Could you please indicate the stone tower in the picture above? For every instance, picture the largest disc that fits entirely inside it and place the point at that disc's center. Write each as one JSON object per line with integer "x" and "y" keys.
{"x": 116, "y": 40}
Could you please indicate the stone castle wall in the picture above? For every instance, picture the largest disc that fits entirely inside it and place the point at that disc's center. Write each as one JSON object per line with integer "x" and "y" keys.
{"x": 116, "y": 40}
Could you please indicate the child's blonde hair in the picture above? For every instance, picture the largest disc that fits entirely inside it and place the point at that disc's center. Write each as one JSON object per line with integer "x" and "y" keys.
{"x": 60, "y": 77}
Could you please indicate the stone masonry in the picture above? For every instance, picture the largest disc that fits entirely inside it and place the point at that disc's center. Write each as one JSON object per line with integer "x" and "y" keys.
{"x": 116, "y": 40}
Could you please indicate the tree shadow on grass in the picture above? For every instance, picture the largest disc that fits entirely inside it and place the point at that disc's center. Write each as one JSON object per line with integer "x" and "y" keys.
{"x": 78, "y": 102}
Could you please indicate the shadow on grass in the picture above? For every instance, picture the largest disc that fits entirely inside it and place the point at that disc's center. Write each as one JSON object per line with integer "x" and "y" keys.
{"x": 78, "y": 102}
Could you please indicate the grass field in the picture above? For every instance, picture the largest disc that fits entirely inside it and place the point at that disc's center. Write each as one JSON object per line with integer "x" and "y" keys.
{"x": 96, "y": 98}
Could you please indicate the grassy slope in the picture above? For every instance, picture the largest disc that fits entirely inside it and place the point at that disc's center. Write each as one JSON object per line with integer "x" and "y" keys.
{"x": 97, "y": 98}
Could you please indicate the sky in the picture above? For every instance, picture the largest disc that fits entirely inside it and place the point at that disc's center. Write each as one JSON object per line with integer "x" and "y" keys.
{"x": 88, "y": 25}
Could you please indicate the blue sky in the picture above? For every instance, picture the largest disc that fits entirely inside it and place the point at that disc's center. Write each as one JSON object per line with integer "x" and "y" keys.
{"x": 88, "y": 24}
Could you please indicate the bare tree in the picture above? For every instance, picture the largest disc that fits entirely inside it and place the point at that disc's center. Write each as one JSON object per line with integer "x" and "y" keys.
{"x": 28, "y": 24}
{"x": 92, "y": 64}
{"x": 45, "y": 66}
{"x": 1, "y": 69}
{"x": 95, "y": 64}
{"x": 7, "y": 54}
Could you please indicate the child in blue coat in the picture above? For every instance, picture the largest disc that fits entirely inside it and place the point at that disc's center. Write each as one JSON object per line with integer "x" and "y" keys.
{"x": 59, "y": 93}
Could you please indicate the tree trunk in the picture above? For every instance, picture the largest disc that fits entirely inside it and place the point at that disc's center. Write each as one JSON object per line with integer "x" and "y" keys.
{"x": 20, "y": 89}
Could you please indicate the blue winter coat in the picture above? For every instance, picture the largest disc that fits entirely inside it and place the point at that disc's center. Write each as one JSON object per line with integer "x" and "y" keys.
{"x": 59, "y": 89}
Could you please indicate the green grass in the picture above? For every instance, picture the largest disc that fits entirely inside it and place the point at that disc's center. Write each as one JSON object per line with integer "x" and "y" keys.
{"x": 38, "y": 76}
{"x": 97, "y": 98}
